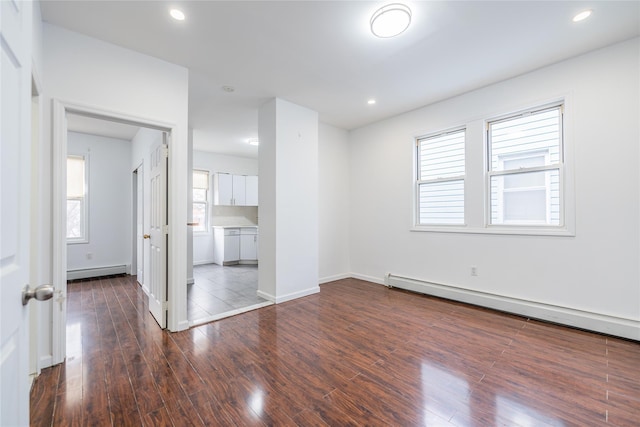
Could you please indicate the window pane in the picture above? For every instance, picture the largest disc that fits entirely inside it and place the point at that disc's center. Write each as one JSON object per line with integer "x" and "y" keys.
{"x": 441, "y": 156}
{"x": 442, "y": 203}
{"x": 536, "y": 132}
{"x": 526, "y": 198}
{"x": 200, "y": 216}
{"x": 199, "y": 195}
{"x": 74, "y": 219}
{"x": 75, "y": 176}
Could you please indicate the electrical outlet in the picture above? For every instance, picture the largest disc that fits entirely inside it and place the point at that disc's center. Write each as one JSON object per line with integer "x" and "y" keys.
{"x": 89, "y": 255}
{"x": 474, "y": 270}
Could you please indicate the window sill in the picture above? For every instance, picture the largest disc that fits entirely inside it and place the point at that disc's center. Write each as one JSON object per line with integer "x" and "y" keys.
{"x": 515, "y": 230}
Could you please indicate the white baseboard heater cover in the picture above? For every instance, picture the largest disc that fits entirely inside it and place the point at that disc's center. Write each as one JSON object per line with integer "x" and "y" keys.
{"x": 86, "y": 273}
{"x": 622, "y": 327}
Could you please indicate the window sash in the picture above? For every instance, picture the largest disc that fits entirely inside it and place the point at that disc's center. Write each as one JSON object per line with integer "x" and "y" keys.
{"x": 77, "y": 191}
{"x": 551, "y": 145}
{"x": 440, "y": 175}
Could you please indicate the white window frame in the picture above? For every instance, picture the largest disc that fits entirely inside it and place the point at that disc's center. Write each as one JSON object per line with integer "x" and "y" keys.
{"x": 418, "y": 182}
{"x": 205, "y": 203}
{"x": 84, "y": 211}
{"x": 560, "y": 167}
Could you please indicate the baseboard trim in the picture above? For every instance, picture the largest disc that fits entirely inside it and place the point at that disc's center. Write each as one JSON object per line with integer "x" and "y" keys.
{"x": 333, "y": 278}
{"x": 371, "y": 279}
{"x": 203, "y": 262}
{"x": 289, "y": 297}
{"x": 86, "y": 273}
{"x": 617, "y": 326}
{"x": 45, "y": 361}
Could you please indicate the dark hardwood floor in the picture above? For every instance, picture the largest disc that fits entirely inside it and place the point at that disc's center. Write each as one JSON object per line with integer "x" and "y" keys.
{"x": 354, "y": 354}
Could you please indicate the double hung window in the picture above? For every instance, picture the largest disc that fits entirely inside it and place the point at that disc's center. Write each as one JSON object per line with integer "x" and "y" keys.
{"x": 77, "y": 199}
{"x": 525, "y": 168}
{"x": 440, "y": 179}
{"x": 200, "y": 200}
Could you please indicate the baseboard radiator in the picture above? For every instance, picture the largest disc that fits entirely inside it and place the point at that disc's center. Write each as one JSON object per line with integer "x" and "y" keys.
{"x": 87, "y": 273}
{"x": 622, "y": 327}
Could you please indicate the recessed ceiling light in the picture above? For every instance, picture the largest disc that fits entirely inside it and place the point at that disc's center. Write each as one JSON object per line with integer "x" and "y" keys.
{"x": 371, "y": 101}
{"x": 253, "y": 141}
{"x": 177, "y": 14}
{"x": 582, "y": 15}
{"x": 390, "y": 20}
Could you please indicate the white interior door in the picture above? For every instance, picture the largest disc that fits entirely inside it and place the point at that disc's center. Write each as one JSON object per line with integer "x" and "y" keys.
{"x": 140, "y": 225}
{"x": 15, "y": 146}
{"x": 158, "y": 232}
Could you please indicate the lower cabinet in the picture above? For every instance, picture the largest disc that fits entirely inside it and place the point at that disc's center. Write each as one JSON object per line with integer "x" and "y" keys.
{"x": 235, "y": 245}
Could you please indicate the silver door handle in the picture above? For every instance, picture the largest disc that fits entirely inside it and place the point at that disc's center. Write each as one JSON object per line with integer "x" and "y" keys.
{"x": 41, "y": 293}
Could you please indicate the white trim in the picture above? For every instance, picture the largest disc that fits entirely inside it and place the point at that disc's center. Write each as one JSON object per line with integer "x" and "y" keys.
{"x": 597, "y": 322}
{"x": 333, "y": 278}
{"x": 190, "y": 281}
{"x": 366, "y": 278}
{"x": 45, "y": 361}
{"x": 498, "y": 229}
{"x": 84, "y": 273}
{"x": 289, "y": 297}
{"x": 229, "y": 313}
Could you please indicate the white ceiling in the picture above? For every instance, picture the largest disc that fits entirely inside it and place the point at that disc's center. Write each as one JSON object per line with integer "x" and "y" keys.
{"x": 321, "y": 54}
{"x": 101, "y": 127}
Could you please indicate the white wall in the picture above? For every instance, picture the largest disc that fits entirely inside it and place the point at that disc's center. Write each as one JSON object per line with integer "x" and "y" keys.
{"x": 288, "y": 250}
{"x": 333, "y": 206}
{"x": 109, "y": 202}
{"x": 597, "y": 271}
{"x": 83, "y": 71}
{"x": 213, "y": 162}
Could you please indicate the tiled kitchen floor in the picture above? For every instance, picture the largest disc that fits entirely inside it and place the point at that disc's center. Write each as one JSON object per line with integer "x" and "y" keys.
{"x": 222, "y": 291}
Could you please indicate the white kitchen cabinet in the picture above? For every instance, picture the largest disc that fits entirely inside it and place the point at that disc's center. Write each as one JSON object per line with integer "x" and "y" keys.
{"x": 226, "y": 248}
{"x": 235, "y": 190}
{"x": 239, "y": 190}
{"x": 252, "y": 190}
{"x": 235, "y": 245}
{"x": 248, "y": 244}
{"x": 223, "y": 189}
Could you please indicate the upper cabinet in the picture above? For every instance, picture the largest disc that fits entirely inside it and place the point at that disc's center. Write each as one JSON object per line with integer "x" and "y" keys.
{"x": 235, "y": 190}
{"x": 252, "y": 191}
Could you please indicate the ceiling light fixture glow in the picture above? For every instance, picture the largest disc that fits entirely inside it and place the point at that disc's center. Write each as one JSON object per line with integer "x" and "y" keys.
{"x": 582, "y": 15}
{"x": 371, "y": 101}
{"x": 390, "y": 20}
{"x": 177, "y": 14}
{"x": 253, "y": 141}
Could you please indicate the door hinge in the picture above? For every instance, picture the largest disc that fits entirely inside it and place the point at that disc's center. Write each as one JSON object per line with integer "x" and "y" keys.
{"x": 165, "y": 229}
{"x": 165, "y": 305}
{"x": 165, "y": 151}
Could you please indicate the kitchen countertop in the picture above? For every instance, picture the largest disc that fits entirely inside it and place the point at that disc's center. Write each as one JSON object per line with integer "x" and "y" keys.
{"x": 234, "y": 226}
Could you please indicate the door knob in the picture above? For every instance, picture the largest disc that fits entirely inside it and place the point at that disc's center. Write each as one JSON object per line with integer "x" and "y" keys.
{"x": 147, "y": 236}
{"x": 41, "y": 293}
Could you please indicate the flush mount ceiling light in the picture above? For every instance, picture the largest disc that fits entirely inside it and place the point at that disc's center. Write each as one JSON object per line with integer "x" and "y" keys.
{"x": 228, "y": 89}
{"x": 390, "y": 20}
{"x": 371, "y": 101}
{"x": 582, "y": 15}
{"x": 253, "y": 141}
{"x": 177, "y": 14}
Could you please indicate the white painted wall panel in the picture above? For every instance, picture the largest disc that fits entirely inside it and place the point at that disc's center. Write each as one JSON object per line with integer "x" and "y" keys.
{"x": 596, "y": 271}
{"x": 109, "y": 208}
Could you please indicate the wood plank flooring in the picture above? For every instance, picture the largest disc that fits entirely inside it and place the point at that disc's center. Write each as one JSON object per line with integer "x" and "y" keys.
{"x": 354, "y": 354}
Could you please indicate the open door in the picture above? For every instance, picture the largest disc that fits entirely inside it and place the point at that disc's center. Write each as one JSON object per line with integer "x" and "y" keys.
{"x": 139, "y": 201}
{"x": 15, "y": 170}
{"x": 158, "y": 232}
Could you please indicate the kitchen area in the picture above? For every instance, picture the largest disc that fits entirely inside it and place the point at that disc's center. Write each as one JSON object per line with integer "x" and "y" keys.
{"x": 225, "y": 241}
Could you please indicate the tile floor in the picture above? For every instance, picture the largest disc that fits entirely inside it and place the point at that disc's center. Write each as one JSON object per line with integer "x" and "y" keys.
{"x": 222, "y": 291}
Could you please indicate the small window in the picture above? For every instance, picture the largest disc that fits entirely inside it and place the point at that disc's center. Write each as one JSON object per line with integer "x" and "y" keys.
{"x": 77, "y": 199}
{"x": 440, "y": 179}
{"x": 525, "y": 169}
{"x": 200, "y": 200}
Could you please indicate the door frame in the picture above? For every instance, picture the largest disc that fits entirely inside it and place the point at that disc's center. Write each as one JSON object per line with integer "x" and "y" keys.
{"x": 59, "y": 256}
